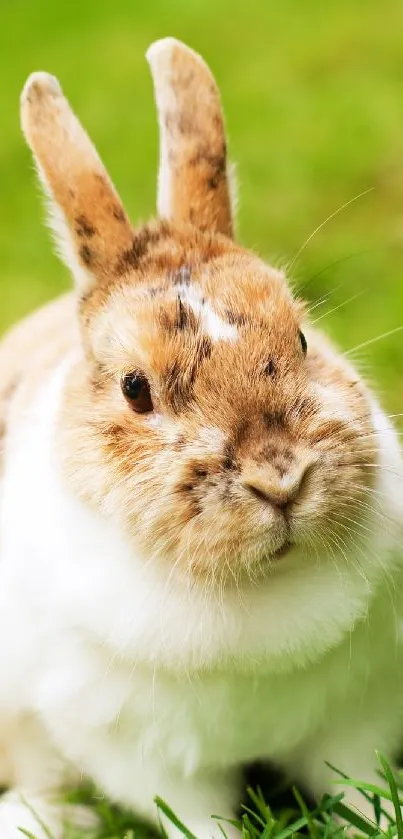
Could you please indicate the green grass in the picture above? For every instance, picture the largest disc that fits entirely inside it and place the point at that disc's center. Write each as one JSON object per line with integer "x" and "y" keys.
{"x": 331, "y": 818}
{"x": 314, "y": 103}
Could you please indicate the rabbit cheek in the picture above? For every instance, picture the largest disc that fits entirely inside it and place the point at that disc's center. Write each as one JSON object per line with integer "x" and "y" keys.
{"x": 191, "y": 503}
{"x": 194, "y": 485}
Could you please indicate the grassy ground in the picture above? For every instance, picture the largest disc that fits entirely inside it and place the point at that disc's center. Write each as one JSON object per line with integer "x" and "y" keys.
{"x": 330, "y": 819}
{"x": 314, "y": 102}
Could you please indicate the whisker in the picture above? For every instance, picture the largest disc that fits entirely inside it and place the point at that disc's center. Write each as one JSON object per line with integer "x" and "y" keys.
{"x": 374, "y": 340}
{"x": 382, "y": 467}
{"x": 332, "y": 215}
{"x": 340, "y": 306}
{"x": 338, "y": 262}
{"x": 324, "y": 298}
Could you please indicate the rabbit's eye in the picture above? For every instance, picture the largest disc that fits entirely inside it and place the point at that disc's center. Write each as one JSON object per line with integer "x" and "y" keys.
{"x": 136, "y": 389}
{"x": 304, "y": 344}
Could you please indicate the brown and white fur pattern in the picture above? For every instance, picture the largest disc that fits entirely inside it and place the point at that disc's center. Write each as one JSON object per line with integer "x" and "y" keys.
{"x": 214, "y": 580}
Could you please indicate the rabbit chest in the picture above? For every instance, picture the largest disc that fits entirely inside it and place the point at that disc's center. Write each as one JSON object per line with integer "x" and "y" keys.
{"x": 121, "y": 668}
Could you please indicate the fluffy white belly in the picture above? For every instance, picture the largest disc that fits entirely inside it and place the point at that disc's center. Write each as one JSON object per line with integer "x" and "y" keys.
{"x": 113, "y": 721}
{"x": 124, "y": 669}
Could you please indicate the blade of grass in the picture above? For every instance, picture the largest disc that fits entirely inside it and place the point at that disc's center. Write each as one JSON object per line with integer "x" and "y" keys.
{"x": 355, "y": 819}
{"x": 305, "y": 812}
{"x": 332, "y": 828}
{"x": 254, "y": 816}
{"x": 362, "y": 786}
{"x": 221, "y": 829}
{"x": 377, "y": 809}
{"x": 299, "y": 824}
{"x": 346, "y": 778}
{"x": 173, "y": 818}
{"x": 257, "y": 798}
{"x": 283, "y": 819}
{"x": 249, "y": 829}
{"x": 48, "y": 833}
{"x": 328, "y": 803}
{"x": 394, "y": 791}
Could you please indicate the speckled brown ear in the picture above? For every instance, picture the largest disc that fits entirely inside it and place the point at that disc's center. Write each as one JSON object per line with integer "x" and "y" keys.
{"x": 193, "y": 181}
{"x": 90, "y": 224}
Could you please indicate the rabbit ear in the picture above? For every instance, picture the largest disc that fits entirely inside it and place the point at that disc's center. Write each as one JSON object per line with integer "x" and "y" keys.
{"x": 90, "y": 224}
{"x": 193, "y": 181}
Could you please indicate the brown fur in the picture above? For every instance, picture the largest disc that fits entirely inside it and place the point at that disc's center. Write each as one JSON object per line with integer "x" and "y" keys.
{"x": 269, "y": 427}
{"x": 192, "y": 130}
{"x": 72, "y": 172}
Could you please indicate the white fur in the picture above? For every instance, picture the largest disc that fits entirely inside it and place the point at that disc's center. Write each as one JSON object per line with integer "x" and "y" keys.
{"x": 120, "y": 333}
{"x": 159, "y": 57}
{"x": 212, "y": 324}
{"x": 63, "y": 239}
{"x": 149, "y": 686}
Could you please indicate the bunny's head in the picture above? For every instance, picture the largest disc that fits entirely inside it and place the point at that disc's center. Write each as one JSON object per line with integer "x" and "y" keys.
{"x": 204, "y": 414}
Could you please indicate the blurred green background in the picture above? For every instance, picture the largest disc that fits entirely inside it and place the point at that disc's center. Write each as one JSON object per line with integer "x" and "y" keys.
{"x": 313, "y": 95}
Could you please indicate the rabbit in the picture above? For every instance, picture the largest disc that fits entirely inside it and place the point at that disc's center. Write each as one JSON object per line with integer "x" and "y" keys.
{"x": 201, "y": 502}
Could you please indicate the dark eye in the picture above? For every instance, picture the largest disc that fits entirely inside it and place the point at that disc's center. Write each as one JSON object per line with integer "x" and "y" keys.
{"x": 136, "y": 389}
{"x": 304, "y": 344}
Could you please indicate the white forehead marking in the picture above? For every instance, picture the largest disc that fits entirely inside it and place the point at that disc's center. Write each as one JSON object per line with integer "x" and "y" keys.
{"x": 120, "y": 330}
{"x": 212, "y": 324}
{"x": 216, "y": 327}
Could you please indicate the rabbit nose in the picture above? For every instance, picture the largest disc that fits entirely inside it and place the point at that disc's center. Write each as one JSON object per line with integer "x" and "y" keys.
{"x": 275, "y": 489}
